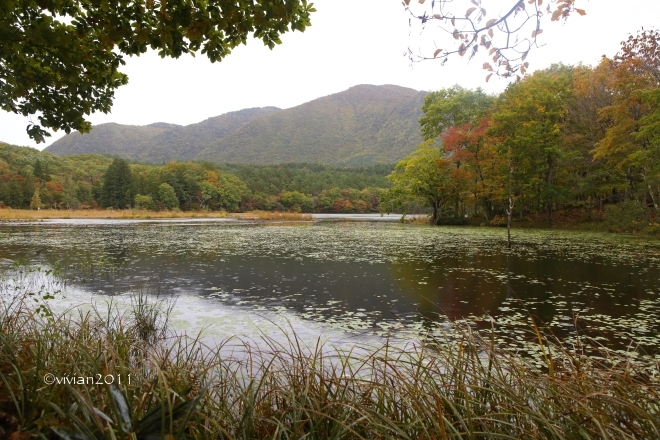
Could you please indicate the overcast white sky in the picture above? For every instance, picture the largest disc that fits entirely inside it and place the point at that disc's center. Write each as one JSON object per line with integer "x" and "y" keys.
{"x": 350, "y": 42}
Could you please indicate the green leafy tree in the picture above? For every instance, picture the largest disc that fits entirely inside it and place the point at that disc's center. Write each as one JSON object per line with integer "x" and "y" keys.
{"x": 144, "y": 202}
{"x": 167, "y": 196}
{"x": 69, "y": 199}
{"x": 453, "y": 107}
{"x": 529, "y": 121}
{"x": 28, "y": 186}
{"x": 330, "y": 199}
{"x": 423, "y": 175}
{"x": 84, "y": 194}
{"x": 207, "y": 191}
{"x": 117, "y": 185}
{"x": 60, "y": 59}
{"x": 229, "y": 190}
{"x": 297, "y": 201}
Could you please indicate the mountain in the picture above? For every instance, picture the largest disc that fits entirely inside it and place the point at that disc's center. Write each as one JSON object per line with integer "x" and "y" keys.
{"x": 363, "y": 125}
{"x": 157, "y": 142}
{"x": 111, "y": 138}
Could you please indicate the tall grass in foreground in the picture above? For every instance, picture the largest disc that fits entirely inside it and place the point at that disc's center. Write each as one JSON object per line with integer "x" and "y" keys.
{"x": 282, "y": 389}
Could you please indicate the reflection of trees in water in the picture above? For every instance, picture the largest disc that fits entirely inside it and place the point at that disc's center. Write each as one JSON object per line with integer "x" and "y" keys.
{"x": 460, "y": 277}
{"x": 542, "y": 285}
{"x": 446, "y": 289}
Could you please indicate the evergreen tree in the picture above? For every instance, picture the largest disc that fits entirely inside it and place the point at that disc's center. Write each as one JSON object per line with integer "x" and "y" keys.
{"x": 28, "y": 188}
{"x": 117, "y": 185}
{"x": 41, "y": 171}
{"x": 15, "y": 195}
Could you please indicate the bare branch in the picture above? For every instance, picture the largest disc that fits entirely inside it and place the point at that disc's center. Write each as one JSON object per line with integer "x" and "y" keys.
{"x": 507, "y": 38}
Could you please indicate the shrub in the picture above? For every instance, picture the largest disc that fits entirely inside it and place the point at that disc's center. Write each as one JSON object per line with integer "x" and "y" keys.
{"x": 629, "y": 216}
{"x": 144, "y": 202}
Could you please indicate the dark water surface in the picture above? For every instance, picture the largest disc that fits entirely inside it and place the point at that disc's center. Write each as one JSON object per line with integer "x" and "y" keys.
{"x": 377, "y": 277}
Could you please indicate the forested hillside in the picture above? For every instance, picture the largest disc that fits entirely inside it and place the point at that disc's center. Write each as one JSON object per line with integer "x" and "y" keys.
{"x": 361, "y": 126}
{"x": 37, "y": 179}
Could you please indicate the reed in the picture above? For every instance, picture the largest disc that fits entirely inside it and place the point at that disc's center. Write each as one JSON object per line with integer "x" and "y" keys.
{"x": 283, "y": 389}
{"x": 30, "y": 214}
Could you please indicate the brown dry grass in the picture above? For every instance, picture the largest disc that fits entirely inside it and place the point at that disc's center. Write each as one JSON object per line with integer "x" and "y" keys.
{"x": 29, "y": 214}
{"x": 267, "y": 215}
{"x": 418, "y": 220}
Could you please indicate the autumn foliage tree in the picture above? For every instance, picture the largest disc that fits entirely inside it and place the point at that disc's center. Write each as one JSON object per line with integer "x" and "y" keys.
{"x": 630, "y": 142}
{"x": 529, "y": 119}
{"x": 563, "y": 137}
{"x": 470, "y": 151}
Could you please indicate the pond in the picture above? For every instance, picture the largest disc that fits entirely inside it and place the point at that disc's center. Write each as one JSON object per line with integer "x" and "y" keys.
{"x": 365, "y": 279}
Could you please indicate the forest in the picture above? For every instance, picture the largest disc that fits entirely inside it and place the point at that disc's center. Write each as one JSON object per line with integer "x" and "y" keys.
{"x": 33, "y": 179}
{"x": 577, "y": 139}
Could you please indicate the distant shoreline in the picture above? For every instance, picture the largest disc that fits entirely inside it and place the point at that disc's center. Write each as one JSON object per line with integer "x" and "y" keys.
{"x": 30, "y": 215}
{"x": 19, "y": 215}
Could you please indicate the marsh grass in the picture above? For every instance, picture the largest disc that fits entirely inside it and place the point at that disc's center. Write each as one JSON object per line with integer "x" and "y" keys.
{"x": 281, "y": 388}
{"x": 30, "y": 214}
{"x": 417, "y": 219}
{"x": 139, "y": 214}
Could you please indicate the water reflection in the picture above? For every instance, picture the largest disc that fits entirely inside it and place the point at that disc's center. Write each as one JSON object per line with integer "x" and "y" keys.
{"x": 362, "y": 276}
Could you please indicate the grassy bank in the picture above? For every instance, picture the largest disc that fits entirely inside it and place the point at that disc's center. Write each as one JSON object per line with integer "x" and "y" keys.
{"x": 180, "y": 388}
{"x": 31, "y": 214}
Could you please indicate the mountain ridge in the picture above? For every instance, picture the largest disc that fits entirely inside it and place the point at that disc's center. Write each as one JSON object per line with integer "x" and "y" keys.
{"x": 363, "y": 125}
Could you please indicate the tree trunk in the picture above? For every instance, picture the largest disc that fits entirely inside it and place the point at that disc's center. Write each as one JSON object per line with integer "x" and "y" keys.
{"x": 487, "y": 209}
{"x": 655, "y": 204}
{"x": 508, "y": 225}
{"x": 435, "y": 213}
{"x": 509, "y": 209}
{"x": 548, "y": 204}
